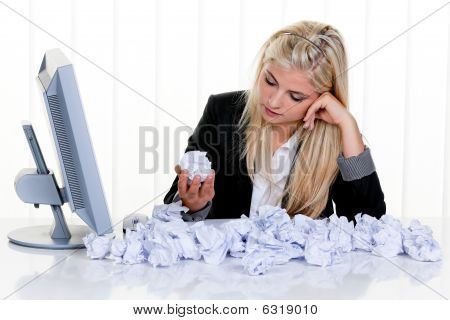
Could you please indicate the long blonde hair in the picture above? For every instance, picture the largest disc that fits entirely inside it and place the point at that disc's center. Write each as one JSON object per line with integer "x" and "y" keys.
{"x": 315, "y": 168}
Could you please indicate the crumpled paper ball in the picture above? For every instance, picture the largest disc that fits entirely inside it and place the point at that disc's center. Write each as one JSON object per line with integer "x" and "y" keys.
{"x": 196, "y": 163}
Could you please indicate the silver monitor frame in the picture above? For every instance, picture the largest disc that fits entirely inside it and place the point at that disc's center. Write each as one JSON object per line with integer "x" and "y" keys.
{"x": 82, "y": 187}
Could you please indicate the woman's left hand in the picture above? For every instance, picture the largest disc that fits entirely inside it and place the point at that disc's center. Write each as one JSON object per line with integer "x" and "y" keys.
{"x": 328, "y": 109}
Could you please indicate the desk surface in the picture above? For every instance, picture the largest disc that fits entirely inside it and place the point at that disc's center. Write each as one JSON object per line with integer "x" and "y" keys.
{"x": 68, "y": 274}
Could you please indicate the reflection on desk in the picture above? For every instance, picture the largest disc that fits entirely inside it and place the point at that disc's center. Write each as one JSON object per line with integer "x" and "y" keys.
{"x": 72, "y": 275}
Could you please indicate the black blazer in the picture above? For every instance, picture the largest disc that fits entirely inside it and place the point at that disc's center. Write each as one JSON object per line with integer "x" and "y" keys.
{"x": 217, "y": 134}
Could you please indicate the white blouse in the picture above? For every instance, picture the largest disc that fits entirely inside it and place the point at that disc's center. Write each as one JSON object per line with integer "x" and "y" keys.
{"x": 263, "y": 192}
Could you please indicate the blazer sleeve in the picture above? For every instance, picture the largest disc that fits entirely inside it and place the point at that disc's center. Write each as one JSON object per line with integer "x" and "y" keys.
{"x": 357, "y": 188}
{"x": 203, "y": 138}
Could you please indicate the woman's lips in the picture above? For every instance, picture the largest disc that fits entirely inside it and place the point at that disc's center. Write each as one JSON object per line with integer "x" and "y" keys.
{"x": 270, "y": 112}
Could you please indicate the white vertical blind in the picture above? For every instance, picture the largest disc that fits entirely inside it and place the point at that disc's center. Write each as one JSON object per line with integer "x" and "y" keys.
{"x": 425, "y": 112}
{"x": 446, "y": 184}
{"x": 135, "y": 54}
{"x": 15, "y": 98}
{"x": 385, "y": 78}
{"x": 176, "y": 53}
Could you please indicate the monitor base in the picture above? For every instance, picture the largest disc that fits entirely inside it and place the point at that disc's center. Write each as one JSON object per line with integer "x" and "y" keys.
{"x": 39, "y": 237}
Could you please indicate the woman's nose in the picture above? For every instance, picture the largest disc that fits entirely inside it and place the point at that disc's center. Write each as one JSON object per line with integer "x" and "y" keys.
{"x": 275, "y": 101}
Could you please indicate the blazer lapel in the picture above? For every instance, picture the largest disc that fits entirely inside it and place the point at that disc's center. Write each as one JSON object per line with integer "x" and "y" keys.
{"x": 244, "y": 188}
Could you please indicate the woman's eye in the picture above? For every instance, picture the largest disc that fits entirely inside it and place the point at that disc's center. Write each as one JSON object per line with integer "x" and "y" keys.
{"x": 269, "y": 83}
{"x": 297, "y": 99}
{"x": 273, "y": 84}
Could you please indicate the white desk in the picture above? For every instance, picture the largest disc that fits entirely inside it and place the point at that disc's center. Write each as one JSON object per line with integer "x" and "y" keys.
{"x": 45, "y": 274}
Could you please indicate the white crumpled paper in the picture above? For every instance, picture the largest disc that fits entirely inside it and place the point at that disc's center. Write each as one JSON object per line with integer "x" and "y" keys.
{"x": 196, "y": 163}
{"x": 267, "y": 238}
{"x": 97, "y": 247}
{"x": 419, "y": 244}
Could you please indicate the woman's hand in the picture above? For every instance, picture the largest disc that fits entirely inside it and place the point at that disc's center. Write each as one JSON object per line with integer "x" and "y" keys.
{"x": 195, "y": 196}
{"x": 328, "y": 109}
{"x": 331, "y": 110}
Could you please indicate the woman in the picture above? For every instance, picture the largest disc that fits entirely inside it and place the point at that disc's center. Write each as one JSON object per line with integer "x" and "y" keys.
{"x": 289, "y": 140}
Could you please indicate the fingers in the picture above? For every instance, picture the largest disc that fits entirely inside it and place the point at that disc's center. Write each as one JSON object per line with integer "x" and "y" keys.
{"x": 178, "y": 169}
{"x": 319, "y": 109}
{"x": 310, "y": 114}
{"x": 314, "y": 111}
{"x": 193, "y": 188}
{"x": 207, "y": 189}
{"x": 213, "y": 178}
{"x": 182, "y": 184}
{"x": 310, "y": 123}
{"x": 196, "y": 190}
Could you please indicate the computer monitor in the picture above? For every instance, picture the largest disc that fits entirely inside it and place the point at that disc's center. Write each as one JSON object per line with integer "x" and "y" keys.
{"x": 81, "y": 185}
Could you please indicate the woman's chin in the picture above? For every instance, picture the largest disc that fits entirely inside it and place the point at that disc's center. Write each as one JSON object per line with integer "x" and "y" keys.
{"x": 269, "y": 118}
{"x": 272, "y": 120}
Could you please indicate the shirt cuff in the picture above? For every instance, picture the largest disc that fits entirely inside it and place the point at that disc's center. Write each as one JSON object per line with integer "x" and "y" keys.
{"x": 194, "y": 216}
{"x": 356, "y": 167}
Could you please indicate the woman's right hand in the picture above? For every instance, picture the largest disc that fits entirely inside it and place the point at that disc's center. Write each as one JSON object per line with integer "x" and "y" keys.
{"x": 195, "y": 196}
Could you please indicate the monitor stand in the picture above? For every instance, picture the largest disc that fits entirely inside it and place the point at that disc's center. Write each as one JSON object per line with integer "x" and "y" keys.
{"x": 56, "y": 236}
{"x": 38, "y": 186}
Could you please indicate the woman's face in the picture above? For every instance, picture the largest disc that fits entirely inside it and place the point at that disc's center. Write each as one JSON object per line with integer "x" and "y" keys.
{"x": 286, "y": 94}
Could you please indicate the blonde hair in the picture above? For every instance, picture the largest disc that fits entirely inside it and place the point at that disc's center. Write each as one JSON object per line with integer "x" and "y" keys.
{"x": 315, "y": 167}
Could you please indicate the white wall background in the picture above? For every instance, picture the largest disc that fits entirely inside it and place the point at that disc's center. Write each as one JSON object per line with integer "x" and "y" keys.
{"x": 176, "y": 53}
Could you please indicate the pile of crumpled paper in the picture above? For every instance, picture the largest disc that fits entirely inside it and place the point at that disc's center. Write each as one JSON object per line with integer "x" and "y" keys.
{"x": 267, "y": 238}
